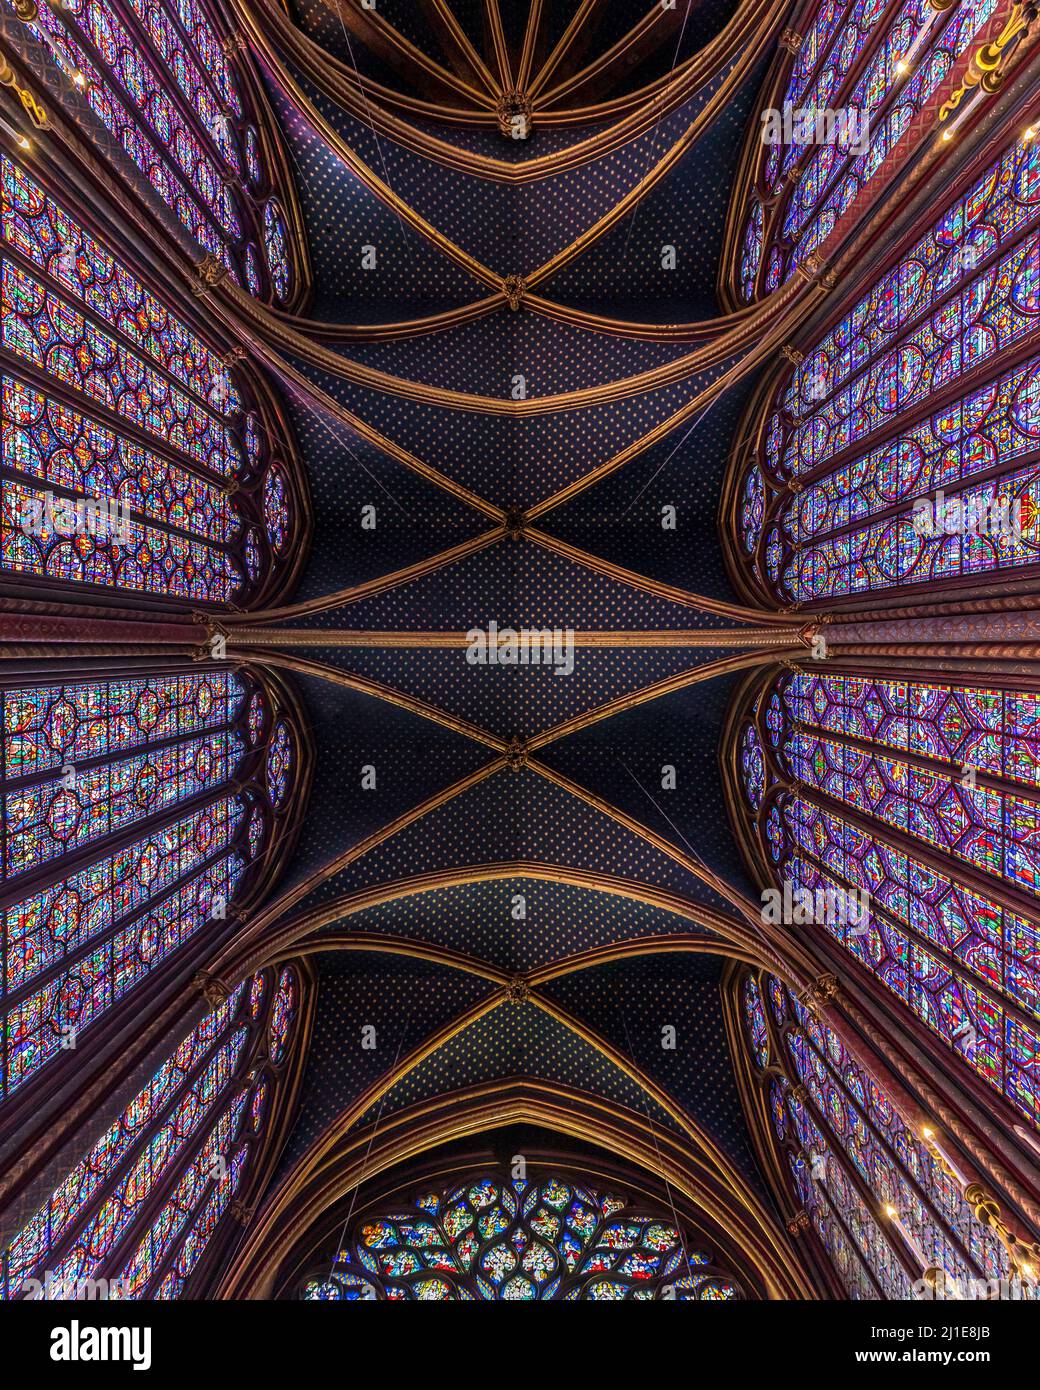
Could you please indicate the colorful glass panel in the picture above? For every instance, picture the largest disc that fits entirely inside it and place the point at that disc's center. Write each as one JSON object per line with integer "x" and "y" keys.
{"x": 752, "y": 509}
{"x": 858, "y": 79}
{"x": 85, "y": 769}
{"x": 131, "y": 490}
{"x": 845, "y": 1124}
{"x": 856, "y": 419}
{"x": 178, "y": 59}
{"x": 752, "y": 767}
{"x": 160, "y": 80}
{"x": 57, "y": 244}
{"x": 143, "y": 93}
{"x": 279, "y": 764}
{"x": 518, "y": 1240}
{"x": 46, "y": 331}
{"x": 176, "y": 1157}
{"x": 34, "y": 1247}
{"x": 276, "y": 509}
{"x": 187, "y": 182}
{"x": 277, "y": 250}
{"x": 900, "y": 784}
{"x": 283, "y": 1013}
{"x": 208, "y": 46}
{"x": 755, "y": 1021}
{"x": 835, "y": 178}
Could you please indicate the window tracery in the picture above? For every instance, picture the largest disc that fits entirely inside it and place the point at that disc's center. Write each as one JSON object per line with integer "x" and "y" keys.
{"x": 132, "y": 457}
{"x": 924, "y": 392}
{"x": 887, "y": 1209}
{"x": 513, "y": 1239}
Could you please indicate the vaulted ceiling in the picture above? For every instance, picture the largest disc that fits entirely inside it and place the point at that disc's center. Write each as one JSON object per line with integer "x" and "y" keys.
{"x": 543, "y": 440}
{"x": 491, "y": 374}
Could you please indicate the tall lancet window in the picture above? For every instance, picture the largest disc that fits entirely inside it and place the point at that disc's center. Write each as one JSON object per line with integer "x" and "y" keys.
{"x": 133, "y": 455}
{"x": 860, "y": 74}
{"x": 883, "y": 1203}
{"x": 167, "y": 85}
{"x": 900, "y": 452}
{"x": 902, "y": 818}
{"x": 135, "y": 1217}
{"x": 137, "y": 813}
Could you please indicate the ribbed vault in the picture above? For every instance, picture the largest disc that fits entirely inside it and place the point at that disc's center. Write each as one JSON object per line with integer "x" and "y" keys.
{"x": 511, "y": 890}
{"x": 518, "y": 894}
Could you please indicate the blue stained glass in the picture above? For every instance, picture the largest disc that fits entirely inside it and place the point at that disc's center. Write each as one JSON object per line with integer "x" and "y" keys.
{"x": 857, "y": 80}
{"x": 127, "y": 489}
{"x": 755, "y": 1020}
{"x": 189, "y": 1137}
{"x": 279, "y": 764}
{"x": 277, "y": 249}
{"x": 951, "y": 493}
{"x": 900, "y": 782}
{"x": 190, "y": 137}
{"x": 904, "y": 1173}
{"x": 518, "y": 1240}
{"x": 752, "y": 767}
{"x": 116, "y": 795}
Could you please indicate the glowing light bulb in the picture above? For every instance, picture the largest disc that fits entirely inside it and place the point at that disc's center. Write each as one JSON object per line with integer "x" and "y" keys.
{"x": 1029, "y": 133}
{"x": 902, "y": 66}
{"x": 891, "y": 1213}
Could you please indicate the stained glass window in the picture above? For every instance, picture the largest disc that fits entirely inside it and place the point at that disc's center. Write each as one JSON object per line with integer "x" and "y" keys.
{"x": 510, "y": 1239}
{"x": 279, "y": 764}
{"x": 276, "y": 508}
{"x": 158, "y": 80}
{"x": 752, "y": 768}
{"x": 133, "y": 1218}
{"x": 883, "y": 1203}
{"x": 133, "y": 816}
{"x": 920, "y": 800}
{"x": 283, "y": 1011}
{"x": 122, "y": 428}
{"x": 751, "y": 251}
{"x": 277, "y": 249}
{"x": 752, "y": 509}
{"x": 754, "y": 1018}
{"x": 857, "y": 79}
{"x": 902, "y": 477}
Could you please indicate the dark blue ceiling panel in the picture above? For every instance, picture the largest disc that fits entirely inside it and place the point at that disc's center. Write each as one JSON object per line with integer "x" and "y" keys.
{"x": 513, "y": 816}
{"x": 519, "y": 701}
{"x": 525, "y": 584}
{"x": 519, "y": 1041}
{"x": 519, "y": 924}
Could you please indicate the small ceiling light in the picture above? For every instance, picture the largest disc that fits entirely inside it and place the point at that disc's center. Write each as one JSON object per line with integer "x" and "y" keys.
{"x": 891, "y": 1213}
{"x": 902, "y": 66}
{"x": 79, "y": 79}
{"x": 1029, "y": 134}
{"x": 947, "y": 135}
